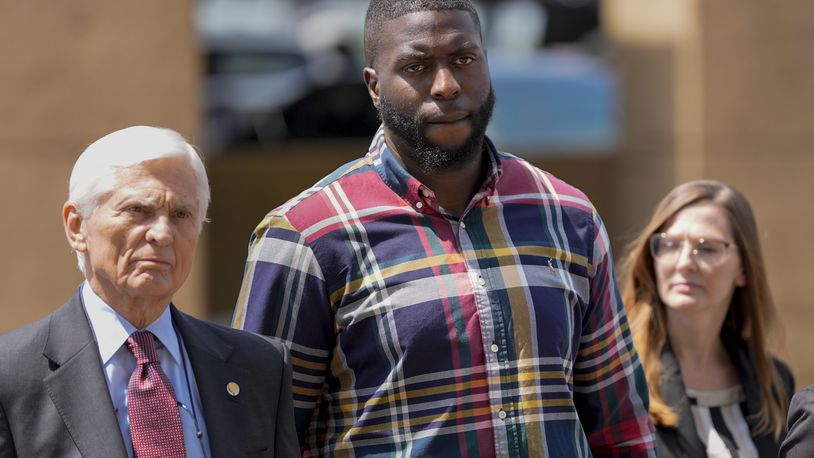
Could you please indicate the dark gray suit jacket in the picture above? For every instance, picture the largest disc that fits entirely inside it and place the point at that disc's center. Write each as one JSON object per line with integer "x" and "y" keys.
{"x": 799, "y": 441}
{"x": 54, "y": 399}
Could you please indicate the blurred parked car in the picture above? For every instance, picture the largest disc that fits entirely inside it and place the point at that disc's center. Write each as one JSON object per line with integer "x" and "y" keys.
{"x": 280, "y": 70}
{"x": 554, "y": 102}
{"x": 276, "y": 70}
{"x": 263, "y": 89}
{"x": 249, "y": 81}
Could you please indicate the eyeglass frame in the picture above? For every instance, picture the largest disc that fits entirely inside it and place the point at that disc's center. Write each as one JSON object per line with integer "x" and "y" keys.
{"x": 694, "y": 252}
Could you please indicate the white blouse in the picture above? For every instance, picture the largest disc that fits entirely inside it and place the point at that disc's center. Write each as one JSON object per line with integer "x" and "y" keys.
{"x": 720, "y": 424}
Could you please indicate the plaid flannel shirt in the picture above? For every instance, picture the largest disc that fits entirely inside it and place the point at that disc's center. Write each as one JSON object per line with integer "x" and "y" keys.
{"x": 413, "y": 333}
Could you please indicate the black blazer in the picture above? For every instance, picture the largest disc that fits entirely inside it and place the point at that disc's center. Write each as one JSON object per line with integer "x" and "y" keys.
{"x": 54, "y": 399}
{"x": 683, "y": 440}
{"x": 799, "y": 441}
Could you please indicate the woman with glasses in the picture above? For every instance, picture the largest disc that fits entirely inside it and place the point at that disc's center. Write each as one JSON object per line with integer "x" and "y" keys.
{"x": 701, "y": 315}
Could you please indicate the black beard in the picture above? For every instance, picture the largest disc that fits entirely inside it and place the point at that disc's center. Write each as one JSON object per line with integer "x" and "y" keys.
{"x": 429, "y": 157}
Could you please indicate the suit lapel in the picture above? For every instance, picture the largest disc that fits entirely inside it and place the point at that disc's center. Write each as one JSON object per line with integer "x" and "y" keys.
{"x": 77, "y": 384}
{"x": 209, "y": 357}
{"x": 738, "y": 350}
{"x": 674, "y": 394}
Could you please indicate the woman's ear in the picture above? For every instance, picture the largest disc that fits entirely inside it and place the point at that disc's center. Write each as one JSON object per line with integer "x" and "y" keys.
{"x": 740, "y": 280}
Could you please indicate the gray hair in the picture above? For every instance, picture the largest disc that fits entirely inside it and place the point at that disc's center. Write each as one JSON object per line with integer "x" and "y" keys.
{"x": 94, "y": 173}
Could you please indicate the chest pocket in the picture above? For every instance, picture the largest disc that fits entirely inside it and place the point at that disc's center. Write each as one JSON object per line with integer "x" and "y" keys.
{"x": 544, "y": 297}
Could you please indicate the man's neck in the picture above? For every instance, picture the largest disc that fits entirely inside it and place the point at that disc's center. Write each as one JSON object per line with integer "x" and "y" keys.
{"x": 453, "y": 189}
{"x": 139, "y": 311}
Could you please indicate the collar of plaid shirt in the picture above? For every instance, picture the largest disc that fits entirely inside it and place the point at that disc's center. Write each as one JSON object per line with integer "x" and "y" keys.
{"x": 413, "y": 333}
{"x": 400, "y": 181}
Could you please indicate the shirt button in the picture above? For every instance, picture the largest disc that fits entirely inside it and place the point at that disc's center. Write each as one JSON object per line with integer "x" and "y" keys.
{"x": 425, "y": 193}
{"x": 502, "y": 415}
{"x": 481, "y": 281}
{"x": 419, "y": 205}
{"x": 494, "y": 348}
{"x": 463, "y": 225}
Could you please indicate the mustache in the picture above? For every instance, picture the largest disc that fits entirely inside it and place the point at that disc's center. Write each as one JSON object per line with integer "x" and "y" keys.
{"x": 410, "y": 126}
{"x": 422, "y": 119}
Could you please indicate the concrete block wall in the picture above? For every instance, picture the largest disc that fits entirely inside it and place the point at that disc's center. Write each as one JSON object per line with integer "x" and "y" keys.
{"x": 72, "y": 72}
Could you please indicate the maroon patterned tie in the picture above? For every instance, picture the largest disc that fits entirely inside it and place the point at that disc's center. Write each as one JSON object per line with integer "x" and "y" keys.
{"x": 155, "y": 424}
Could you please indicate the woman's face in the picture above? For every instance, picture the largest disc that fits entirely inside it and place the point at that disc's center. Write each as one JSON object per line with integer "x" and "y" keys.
{"x": 696, "y": 262}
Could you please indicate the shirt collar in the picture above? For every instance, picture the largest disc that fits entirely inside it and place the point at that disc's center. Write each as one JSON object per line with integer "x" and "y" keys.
{"x": 112, "y": 330}
{"x": 408, "y": 187}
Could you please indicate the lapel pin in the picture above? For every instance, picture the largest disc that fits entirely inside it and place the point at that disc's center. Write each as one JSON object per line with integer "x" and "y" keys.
{"x": 233, "y": 388}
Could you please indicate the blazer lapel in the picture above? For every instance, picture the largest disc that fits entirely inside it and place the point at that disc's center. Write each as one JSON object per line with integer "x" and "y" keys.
{"x": 77, "y": 384}
{"x": 766, "y": 444}
{"x": 674, "y": 394}
{"x": 209, "y": 355}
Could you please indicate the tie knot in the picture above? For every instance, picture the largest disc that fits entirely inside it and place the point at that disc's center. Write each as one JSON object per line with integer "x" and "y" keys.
{"x": 142, "y": 345}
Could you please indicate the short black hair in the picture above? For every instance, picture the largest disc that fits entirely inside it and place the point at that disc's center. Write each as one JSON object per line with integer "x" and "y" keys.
{"x": 381, "y": 11}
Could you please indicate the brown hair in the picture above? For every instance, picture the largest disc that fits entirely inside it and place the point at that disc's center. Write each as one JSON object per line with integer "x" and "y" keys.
{"x": 751, "y": 317}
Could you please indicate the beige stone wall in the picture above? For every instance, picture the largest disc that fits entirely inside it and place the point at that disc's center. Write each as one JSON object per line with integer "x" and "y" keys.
{"x": 249, "y": 183}
{"x": 723, "y": 90}
{"x": 72, "y": 72}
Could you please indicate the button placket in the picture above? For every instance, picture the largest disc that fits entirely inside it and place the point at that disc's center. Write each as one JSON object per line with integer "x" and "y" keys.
{"x": 488, "y": 335}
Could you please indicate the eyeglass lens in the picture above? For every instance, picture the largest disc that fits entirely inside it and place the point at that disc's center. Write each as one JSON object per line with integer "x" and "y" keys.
{"x": 668, "y": 249}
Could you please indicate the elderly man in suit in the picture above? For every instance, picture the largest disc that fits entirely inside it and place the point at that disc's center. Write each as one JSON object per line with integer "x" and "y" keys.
{"x": 799, "y": 442}
{"x": 119, "y": 371}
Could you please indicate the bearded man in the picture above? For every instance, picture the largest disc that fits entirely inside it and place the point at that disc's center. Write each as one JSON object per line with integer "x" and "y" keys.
{"x": 439, "y": 297}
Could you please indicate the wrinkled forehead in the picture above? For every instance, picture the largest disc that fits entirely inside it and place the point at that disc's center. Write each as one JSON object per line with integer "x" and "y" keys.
{"x": 161, "y": 168}
{"x": 428, "y": 29}
{"x": 172, "y": 173}
{"x": 433, "y": 22}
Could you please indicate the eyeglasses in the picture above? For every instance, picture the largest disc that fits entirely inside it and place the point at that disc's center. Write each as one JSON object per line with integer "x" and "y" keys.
{"x": 666, "y": 249}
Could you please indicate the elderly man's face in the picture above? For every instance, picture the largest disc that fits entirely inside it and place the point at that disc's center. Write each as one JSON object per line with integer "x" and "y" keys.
{"x": 140, "y": 240}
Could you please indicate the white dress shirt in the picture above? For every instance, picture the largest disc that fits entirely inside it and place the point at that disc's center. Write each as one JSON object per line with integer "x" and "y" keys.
{"x": 111, "y": 331}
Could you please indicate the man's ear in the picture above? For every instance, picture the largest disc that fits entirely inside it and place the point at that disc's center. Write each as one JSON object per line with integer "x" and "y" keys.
{"x": 72, "y": 221}
{"x": 372, "y": 83}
